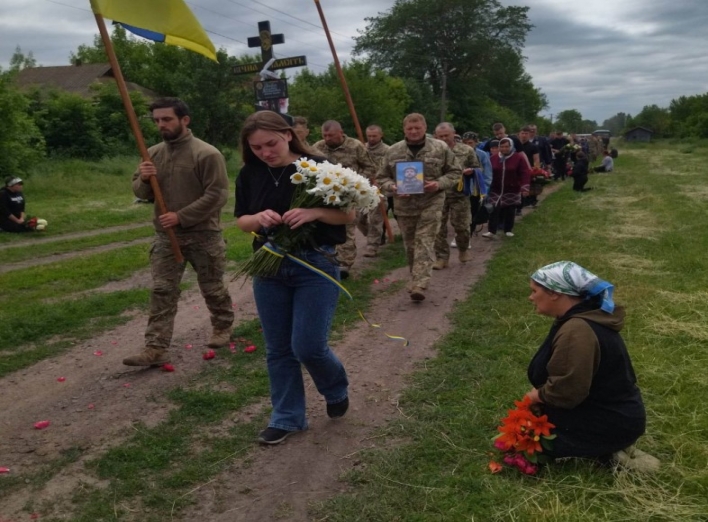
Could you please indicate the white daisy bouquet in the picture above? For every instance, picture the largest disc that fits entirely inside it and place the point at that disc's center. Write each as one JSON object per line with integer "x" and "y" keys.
{"x": 318, "y": 185}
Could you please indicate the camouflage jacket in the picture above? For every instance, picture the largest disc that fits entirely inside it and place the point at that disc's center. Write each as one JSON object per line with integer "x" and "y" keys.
{"x": 439, "y": 164}
{"x": 351, "y": 154}
{"x": 467, "y": 159}
{"x": 377, "y": 152}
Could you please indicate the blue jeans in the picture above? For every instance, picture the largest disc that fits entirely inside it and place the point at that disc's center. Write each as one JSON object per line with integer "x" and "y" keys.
{"x": 296, "y": 308}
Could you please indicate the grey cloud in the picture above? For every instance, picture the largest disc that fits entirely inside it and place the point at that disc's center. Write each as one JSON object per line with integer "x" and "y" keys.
{"x": 598, "y": 70}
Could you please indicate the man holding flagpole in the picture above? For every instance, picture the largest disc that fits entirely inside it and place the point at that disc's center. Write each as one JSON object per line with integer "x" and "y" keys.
{"x": 192, "y": 177}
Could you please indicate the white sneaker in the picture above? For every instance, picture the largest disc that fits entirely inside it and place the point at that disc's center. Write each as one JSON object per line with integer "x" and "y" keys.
{"x": 488, "y": 235}
{"x": 509, "y": 234}
{"x": 453, "y": 244}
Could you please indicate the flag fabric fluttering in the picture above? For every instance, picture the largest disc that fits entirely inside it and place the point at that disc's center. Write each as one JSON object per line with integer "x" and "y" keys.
{"x": 168, "y": 21}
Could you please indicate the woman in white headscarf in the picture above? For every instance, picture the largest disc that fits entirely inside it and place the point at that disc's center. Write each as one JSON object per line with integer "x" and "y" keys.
{"x": 582, "y": 375}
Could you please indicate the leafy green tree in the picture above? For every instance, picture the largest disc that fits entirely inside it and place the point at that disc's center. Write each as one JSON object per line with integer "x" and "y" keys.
{"x": 687, "y": 114}
{"x": 21, "y": 142}
{"x": 378, "y": 98}
{"x": 654, "y": 118}
{"x": 219, "y": 100}
{"x": 113, "y": 124}
{"x": 469, "y": 51}
{"x": 616, "y": 124}
{"x": 569, "y": 120}
{"x": 70, "y": 127}
{"x": 20, "y": 60}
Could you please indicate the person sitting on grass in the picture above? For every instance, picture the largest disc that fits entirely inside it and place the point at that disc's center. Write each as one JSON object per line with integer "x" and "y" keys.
{"x": 12, "y": 209}
{"x": 608, "y": 164}
{"x": 582, "y": 375}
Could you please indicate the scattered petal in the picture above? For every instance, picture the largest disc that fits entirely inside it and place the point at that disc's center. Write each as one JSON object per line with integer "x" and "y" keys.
{"x": 209, "y": 354}
{"x": 61, "y": 379}
{"x": 167, "y": 368}
{"x": 188, "y": 346}
{"x": 114, "y": 342}
{"x": 495, "y": 467}
{"x": 127, "y": 385}
{"x": 385, "y": 279}
{"x": 91, "y": 406}
{"x": 376, "y": 281}
{"x": 41, "y": 425}
{"x": 249, "y": 349}
{"x": 234, "y": 305}
{"x": 34, "y": 516}
{"x": 98, "y": 353}
{"x": 4, "y": 470}
{"x": 196, "y": 307}
{"x": 241, "y": 340}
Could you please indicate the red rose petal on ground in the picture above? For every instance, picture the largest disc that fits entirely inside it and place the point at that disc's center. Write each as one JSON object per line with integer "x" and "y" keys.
{"x": 249, "y": 349}
{"x": 167, "y": 368}
{"x": 209, "y": 354}
{"x": 188, "y": 346}
{"x": 234, "y": 305}
{"x": 127, "y": 385}
{"x": 4, "y": 470}
{"x": 61, "y": 379}
{"x": 376, "y": 281}
{"x": 98, "y": 353}
{"x": 196, "y": 307}
{"x": 495, "y": 467}
{"x": 114, "y": 342}
{"x": 34, "y": 516}
{"x": 90, "y": 406}
{"x": 385, "y": 279}
{"x": 41, "y": 425}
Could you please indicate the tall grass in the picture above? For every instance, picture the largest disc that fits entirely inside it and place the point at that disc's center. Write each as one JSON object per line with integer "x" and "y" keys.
{"x": 643, "y": 228}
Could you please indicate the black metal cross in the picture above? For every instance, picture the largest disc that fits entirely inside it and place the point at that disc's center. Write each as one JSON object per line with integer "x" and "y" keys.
{"x": 265, "y": 40}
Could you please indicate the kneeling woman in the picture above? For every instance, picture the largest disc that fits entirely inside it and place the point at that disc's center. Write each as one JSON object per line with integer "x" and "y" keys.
{"x": 296, "y": 306}
{"x": 582, "y": 374}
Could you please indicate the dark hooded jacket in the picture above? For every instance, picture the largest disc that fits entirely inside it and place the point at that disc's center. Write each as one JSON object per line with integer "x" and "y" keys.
{"x": 587, "y": 384}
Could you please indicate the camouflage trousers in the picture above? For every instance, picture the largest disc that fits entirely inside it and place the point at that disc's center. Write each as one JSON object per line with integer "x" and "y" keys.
{"x": 419, "y": 241}
{"x": 370, "y": 225}
{"x": 206, "y": 252}
{"x": 457, "y": 210}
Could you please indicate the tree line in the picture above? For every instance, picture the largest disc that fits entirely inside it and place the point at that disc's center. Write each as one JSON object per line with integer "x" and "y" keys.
{"x": 454, "y": 60}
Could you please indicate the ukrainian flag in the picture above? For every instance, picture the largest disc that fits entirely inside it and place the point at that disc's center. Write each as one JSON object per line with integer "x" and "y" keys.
{"x": 168, "y": 21}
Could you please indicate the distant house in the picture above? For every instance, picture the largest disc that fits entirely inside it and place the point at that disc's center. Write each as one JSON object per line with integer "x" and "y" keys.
{"x": 76, "y": 78}
{"x": 638, "y": 134}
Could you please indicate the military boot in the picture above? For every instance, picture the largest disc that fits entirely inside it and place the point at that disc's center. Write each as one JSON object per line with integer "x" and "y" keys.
{"x": 150, "y": 356}
{"x": 418, "y": 293}
{"x": 440, "y": 264}
{"x": 465, "y": 255}
{"x": 219, "y": 338}
{"x": 370, "y": 252}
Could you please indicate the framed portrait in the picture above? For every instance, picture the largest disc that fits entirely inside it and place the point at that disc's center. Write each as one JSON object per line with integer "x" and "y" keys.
{"x": 409, "y": 177}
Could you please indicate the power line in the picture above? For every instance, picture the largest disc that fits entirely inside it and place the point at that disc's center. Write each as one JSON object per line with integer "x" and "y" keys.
{"x": 300, "y": 19}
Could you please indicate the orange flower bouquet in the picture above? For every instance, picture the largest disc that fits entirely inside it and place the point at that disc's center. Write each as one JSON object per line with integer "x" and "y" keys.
{"x": 524, "y": 435}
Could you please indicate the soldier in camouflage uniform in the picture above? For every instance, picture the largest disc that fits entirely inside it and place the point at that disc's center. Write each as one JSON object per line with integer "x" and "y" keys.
{"x": 457, "y": 204}
{"x": 192, "y": 177}
{"x": 350, "y": 153}
{"x": 371, "y": 224}
{"x": 419, "y": 215}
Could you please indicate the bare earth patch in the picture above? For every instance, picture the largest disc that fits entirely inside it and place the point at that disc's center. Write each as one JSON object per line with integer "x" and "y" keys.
{"x": 101, "y": 401}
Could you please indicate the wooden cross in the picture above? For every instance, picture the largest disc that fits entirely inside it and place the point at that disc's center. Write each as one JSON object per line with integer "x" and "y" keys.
{"x": 265, "y": 40}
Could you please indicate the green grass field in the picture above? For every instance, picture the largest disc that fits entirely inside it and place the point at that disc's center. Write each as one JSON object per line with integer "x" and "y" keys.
{"x": 643, "y": 228}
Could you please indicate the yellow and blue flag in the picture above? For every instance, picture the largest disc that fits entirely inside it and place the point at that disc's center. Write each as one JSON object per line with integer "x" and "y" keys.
{"x": 168, "y": 21}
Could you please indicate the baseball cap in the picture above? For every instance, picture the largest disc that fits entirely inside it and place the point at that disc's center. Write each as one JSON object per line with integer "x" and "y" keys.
{"x": 12, "y": 181}
{"x": 470, "y": 136}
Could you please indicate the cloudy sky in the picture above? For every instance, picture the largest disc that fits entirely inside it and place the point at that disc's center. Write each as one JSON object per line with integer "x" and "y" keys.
{"x": 599, "y": 56}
